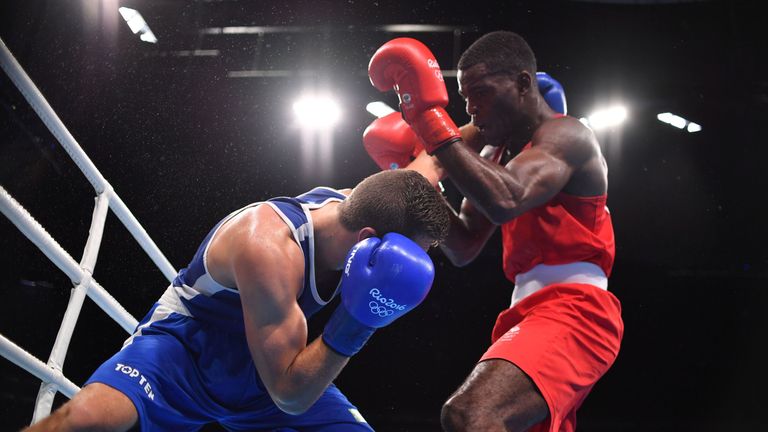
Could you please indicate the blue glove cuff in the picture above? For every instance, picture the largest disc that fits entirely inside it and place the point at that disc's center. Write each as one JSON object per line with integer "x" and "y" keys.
{"x": 345, "y": 334}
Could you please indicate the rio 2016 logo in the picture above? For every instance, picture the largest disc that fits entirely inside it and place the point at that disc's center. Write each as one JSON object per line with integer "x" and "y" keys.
{"x": 376, "y": 294}
{"x": 432, "y": 64}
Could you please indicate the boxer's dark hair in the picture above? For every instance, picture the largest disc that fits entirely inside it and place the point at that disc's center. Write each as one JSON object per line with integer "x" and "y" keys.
{"x": 400, "y": 201}
{"x": 501, "y": 51}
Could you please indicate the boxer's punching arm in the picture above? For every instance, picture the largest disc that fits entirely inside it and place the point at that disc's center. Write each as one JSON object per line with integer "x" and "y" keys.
{"x": 559, "y": 147}
{"x": 430, "y": 167}
{"x": 268, "y": 271}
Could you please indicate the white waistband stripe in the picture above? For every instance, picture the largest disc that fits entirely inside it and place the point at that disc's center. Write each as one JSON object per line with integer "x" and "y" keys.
{"x": 544, "y": 275}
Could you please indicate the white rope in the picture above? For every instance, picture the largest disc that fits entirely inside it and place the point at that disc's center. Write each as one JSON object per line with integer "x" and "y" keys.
{"x": 43, "y": 109}
{"x": 36, "y": 100}
{"x": 21, "y": 218}
{"x": 141, "y": 236}
{"x": 80, "y": 274}
{"x": 21, "y": 358}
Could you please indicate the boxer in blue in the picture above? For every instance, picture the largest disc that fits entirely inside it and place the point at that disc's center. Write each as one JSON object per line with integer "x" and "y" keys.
{"x": 227, "y": 341}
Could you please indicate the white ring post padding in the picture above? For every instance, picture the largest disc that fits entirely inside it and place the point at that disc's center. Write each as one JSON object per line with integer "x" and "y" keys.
{"x": 47, "y": 391}
{"x": 23, "y": 359}
{"x": 21, "y": 218}
{"x": 44, "y": 401}
{"x": 95, "y": 232}
{"x": 36, "y": 100}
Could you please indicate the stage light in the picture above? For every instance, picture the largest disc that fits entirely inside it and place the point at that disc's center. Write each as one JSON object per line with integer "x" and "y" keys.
{"x": 678, "y": 122}
{"x": 137, "y": 24}
{"x": 379, "y": 109}
{"x": 605, "y": 118}
{"x": 316, "y": 111}
{"x": 671, "y": 120}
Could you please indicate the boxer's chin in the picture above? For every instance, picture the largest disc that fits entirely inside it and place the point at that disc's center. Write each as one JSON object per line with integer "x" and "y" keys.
{"x": 491, "y": 136}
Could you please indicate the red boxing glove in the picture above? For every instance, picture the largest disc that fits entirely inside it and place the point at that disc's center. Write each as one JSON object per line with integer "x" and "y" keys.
{"x": 409, "y": 67}
{"x": 390, "y": 142}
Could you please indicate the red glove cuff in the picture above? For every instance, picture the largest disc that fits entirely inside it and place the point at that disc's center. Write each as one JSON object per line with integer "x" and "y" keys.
{"x": 435, "y": 129}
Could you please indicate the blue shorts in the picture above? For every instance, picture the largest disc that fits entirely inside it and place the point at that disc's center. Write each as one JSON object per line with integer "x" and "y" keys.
{"x": 181, "y": 374}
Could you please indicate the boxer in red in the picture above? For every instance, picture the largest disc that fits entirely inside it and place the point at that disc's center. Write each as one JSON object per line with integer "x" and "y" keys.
{"x": 541, "y": 176}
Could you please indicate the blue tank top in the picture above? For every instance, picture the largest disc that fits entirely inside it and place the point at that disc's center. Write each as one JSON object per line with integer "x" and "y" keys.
{"x": 195, "y": 293}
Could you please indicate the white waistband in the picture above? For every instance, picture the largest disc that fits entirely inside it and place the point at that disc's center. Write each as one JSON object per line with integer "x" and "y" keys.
{"x": 171, "y": 300}
{"x": 543, "y": 275}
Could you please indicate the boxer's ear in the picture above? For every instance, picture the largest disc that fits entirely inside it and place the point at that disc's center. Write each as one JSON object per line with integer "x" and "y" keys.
{"x": 524, "y": 82}
{"x": 366, "y": 233}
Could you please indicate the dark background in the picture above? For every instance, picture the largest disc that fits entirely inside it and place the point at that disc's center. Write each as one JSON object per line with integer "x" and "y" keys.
{"x": 183, "y": 144}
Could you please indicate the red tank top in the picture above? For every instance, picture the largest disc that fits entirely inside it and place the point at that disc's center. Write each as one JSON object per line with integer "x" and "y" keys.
{"x": 566, "y": 229}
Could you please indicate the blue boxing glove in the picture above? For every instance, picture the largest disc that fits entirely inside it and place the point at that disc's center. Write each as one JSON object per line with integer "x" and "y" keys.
{"x": 383, "y": 280}
{"x": 552, "y": 91}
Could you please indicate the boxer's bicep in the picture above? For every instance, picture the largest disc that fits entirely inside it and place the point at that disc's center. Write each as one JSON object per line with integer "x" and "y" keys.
{"x": 557, "y": 151}
{"x": 538, "y": 175}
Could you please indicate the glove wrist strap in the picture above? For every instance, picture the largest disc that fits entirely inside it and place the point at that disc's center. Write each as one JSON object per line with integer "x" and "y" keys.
{"x": 345, "y": 334}
{"x": 435, "y": 129}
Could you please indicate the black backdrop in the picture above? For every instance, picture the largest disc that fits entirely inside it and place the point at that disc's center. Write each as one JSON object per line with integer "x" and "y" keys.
{"x": 183, "y": 144}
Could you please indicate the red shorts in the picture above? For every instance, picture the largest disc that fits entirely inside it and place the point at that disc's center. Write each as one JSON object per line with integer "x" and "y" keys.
{"x": 564, "y": 337}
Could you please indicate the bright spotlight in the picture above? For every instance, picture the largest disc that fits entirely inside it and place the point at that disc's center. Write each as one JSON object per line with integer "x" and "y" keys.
{"x": 678, "y": 122}
{"x": 316, "y": 111}
{"x": 137, "y": 24}
{"x": 379, "y": 109}
{"x": 606, "y": 118}
{"x": 672, "y": 120}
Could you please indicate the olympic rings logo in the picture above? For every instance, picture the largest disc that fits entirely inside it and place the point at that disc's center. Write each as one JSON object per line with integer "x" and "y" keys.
{"x": 380, "y": 310}
{"x": 433, "y": 64}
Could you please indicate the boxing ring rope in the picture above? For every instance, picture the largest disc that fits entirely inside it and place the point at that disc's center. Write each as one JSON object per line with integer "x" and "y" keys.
{"x": 51, "y": 373}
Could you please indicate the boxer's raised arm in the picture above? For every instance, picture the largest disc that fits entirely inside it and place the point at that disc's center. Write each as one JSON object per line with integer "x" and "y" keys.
{"x": 268, "y": 270}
